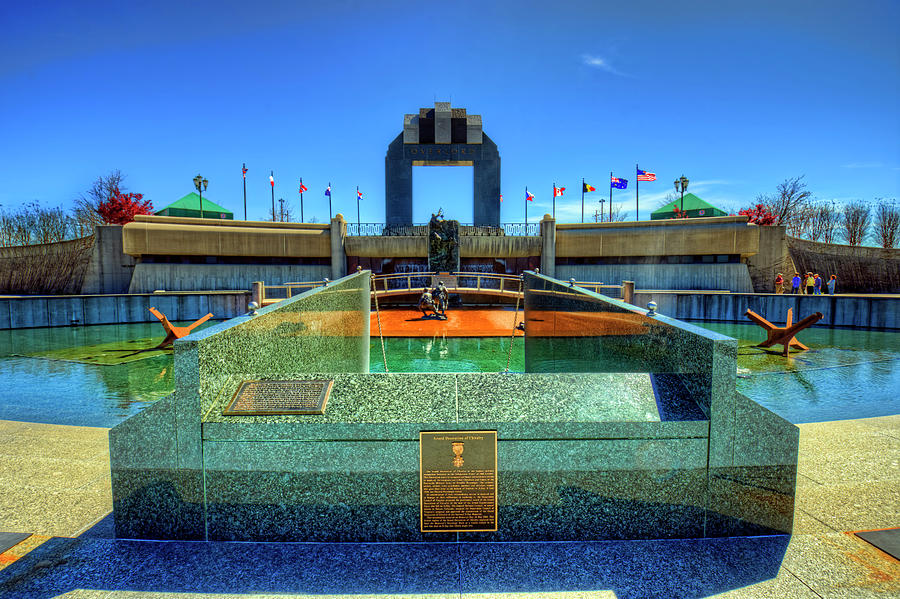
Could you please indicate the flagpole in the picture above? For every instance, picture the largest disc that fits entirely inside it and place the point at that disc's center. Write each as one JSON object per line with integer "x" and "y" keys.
{"x": 244, "y": 176}
{"x": 329, "y": 202}
{"x": 358, "y": 225}
{"x": 301, "y": 200}
{"x": 582, "y": 199}
{"x": 526, "y": 208}
{"x": 554, "y": 200}
{"x": 610, "y": 196}
{"x": 637, "y": 184}
{"x": 272, "y": 180}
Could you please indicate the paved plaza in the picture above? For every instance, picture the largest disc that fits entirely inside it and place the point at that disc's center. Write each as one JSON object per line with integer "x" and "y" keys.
{"x": 55, "y": 485}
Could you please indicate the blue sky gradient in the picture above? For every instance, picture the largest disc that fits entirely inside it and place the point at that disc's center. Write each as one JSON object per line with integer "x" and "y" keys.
{"x": 736, "y": 96}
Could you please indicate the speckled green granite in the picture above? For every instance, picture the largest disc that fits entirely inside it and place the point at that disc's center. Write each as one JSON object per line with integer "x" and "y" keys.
{"x": 624, "y": 426}
{"x": 752, "y": 453}
{"x": 157, "y": 456}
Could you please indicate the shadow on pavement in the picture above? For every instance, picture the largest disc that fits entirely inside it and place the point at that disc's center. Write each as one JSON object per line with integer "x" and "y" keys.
{"x": 630, "y": 569}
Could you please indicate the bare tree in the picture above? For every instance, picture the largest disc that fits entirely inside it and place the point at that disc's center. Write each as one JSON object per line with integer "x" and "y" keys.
{"x": 789, "y": 204}
{"x": 618, "y": 214}
{"x": 887, "y": 223}
{"x": 821, "y": 222}
{"x": 856, "y": 220}
{"x": 32, "y": 224}
{"x": 670, "y": 197}
{"x": 284, "y": 213}
{"x": 85, "y": 214}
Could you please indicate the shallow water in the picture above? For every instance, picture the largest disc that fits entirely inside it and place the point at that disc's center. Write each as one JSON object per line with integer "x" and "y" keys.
{"x": 62, "y": 391}
{"x": 846, "y": 374}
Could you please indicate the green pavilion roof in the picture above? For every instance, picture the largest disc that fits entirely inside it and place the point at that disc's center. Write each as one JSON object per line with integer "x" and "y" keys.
{"x": 692, "y": 205}
{"x": 189, "y": 206}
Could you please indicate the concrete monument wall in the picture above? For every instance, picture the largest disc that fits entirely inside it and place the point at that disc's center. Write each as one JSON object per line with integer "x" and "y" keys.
{"x": 441, "y": 136}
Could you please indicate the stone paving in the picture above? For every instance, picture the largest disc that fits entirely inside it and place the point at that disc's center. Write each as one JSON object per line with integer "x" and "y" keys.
{"x": 54, "y": 483}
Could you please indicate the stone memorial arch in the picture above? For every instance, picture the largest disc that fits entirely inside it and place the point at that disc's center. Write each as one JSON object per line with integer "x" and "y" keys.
{"x": 442, "y": 136}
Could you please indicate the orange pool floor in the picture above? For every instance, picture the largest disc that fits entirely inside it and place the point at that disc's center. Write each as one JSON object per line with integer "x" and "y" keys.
{"x": 465, "y": 322}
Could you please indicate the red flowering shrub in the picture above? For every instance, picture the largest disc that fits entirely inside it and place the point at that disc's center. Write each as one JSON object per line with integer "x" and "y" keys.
{"x": 121, "y": 207}
{"x": 679, "y": 213}
{"x": 760, "y": 215}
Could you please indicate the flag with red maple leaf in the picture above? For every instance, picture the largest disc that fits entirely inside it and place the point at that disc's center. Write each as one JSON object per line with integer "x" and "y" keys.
{"x": 120, "y": 208}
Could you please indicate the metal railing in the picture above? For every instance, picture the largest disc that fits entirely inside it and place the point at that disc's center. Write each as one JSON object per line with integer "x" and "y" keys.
{"x": 456, "y": 281}
{"x": 382, "y": 229}
{"x": 421, "y": 229}
{"x": 415, "y": 282}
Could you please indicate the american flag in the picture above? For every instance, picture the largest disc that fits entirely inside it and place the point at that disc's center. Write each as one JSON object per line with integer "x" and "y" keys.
{"x": 645, "y": 176}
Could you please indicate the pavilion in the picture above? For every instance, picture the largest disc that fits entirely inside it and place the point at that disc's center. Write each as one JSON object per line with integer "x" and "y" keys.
{"x": 189, "y": 206}
{"x": 693, "y": 205}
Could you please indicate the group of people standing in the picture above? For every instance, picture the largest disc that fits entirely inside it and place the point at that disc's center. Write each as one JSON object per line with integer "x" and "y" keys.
{"x": 435, "y": 300}
{"x": 811, "y": 283}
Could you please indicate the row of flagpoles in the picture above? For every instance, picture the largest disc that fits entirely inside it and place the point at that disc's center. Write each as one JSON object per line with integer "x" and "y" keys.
{"x": 614, "y": 183}
{"x": 359, "y": 195}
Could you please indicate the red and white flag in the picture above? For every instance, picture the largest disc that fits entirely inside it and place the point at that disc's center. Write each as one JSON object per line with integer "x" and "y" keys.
{"x": 558, "y": 191}
{"x": 272, "y": 180}
{"x": 302, "y": 187}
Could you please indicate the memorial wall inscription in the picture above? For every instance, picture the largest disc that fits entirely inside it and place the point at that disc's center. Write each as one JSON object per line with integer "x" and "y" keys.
{"x": 458, "y": 481}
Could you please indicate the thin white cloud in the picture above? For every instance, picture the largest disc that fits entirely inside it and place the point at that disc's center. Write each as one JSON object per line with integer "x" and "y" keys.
{"x": 863, "y": 165}
{"x": 601, "y": 63}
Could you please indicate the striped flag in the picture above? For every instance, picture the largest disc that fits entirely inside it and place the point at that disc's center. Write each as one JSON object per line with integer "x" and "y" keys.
{"x": 272, "y": 180}
{"x": 244, "y": 172}
{"x": 588, "y": 188}
{"x": 501, "y": 197}
{"x": 558, "y": 191}
{"x": 529, "y": 196}
{"x": 302, "y": 187}
{"x": 645, "y": 176}
{"x": 358, "y": 195}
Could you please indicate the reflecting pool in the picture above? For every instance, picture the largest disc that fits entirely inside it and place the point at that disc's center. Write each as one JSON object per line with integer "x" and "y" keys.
{"x": 86, "y": 376}
{"x": 847, "y": 373}
{"x": 100, "y": 375}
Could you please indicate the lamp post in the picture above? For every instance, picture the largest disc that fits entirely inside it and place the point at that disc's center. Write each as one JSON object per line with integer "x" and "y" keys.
{"x": 681, "y": 185}
{"x": 200, "y": 184}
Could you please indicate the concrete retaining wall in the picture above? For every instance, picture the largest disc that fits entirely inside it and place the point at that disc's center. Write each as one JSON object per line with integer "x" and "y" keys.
{"x": 858, "y": 269}
{"x": 731, "y": 277}
{"x": 54, "y": 311}
{"x": 205, "y": 277}
{"x": 870, "y": 312}
{"x": 109, "y": 269}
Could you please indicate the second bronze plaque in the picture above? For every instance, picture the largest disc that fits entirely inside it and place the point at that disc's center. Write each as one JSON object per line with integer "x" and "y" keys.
{"x": 458, "y": 481}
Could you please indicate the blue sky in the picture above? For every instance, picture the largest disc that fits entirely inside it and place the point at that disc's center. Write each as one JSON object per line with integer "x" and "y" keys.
{"x": 736, "y": 96}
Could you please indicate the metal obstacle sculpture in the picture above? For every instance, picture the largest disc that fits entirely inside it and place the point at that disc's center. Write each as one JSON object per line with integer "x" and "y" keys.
{"x": 173, "y": 332}
{"x": 783, "y": 335}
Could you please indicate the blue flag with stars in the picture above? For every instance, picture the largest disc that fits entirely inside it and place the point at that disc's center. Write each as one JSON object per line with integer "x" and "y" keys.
{"x": 618, "y": 183}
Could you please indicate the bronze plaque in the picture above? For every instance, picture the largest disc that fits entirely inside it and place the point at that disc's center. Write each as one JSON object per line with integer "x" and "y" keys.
{"x": 458, "y": 481}
{"x": 260, "y": 398}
